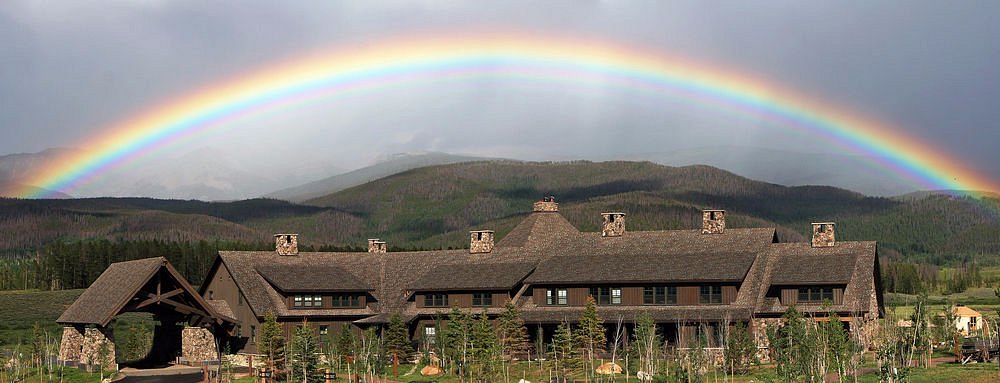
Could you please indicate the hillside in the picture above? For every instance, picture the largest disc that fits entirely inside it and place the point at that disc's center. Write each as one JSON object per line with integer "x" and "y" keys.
{"x": 433, "y": 207}
{"x": 395, "y": 164}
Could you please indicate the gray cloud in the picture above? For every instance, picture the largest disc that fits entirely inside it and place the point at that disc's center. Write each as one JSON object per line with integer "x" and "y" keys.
{"x": 72, "y": 69}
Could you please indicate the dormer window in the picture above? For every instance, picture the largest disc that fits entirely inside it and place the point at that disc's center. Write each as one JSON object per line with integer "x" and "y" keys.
{"x": 436, "y": 300}
{"x": 346, "y": 300}
{"x": 815, "y": 294}
{"x": 309, "y": 301}
{"x": 482, "y": 300}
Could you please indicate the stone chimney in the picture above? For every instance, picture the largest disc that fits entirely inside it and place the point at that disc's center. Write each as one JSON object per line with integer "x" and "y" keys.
{"x": 377, "y": 246}
{"x": 480, "y": 241}
{"x": 613, "y": 225}
{"x": 823, "y": 234}
{"x": 547, "y": 204}
{"x": 713, "y": 221}
{"x": 286, "y": 244}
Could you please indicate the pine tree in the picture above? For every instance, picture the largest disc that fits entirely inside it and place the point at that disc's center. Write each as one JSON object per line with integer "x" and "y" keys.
{"x": 485, "y": 350}
{"x": 741, "y": 350}
{"x": 590, "y": 335}
{"x": 512, "y": 334}
{"x": 272, "y": 345}
{"x": 345, "y": 342}
{"x": 397, "y": 339}
{"x": 564, "y": 349}
{"x": 303, "y": 356}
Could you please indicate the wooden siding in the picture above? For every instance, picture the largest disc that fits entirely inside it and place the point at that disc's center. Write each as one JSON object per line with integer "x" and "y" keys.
{"x": 687, "y": 295}
{"x": 728, "y": 294}
{"x": 221, "y": 286}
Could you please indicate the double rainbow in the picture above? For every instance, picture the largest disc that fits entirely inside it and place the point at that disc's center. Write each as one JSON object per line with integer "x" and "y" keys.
{"x": 435, "y": 58}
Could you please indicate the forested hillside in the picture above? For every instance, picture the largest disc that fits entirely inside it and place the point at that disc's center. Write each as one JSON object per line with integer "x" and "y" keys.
{"x": 434, "y": 207}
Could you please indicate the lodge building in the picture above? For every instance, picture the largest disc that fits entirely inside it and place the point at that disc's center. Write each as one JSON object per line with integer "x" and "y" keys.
{"x": 689, "y": 281}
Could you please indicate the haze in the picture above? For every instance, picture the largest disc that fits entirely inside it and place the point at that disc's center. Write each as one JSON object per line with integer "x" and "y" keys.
{"x": 70, "y": 70}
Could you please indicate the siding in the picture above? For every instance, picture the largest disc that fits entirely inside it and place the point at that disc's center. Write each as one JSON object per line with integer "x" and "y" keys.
{"x": 728, "y": 294}
{"x": 687, "y": 295}
{"x": 222, "y": 287}
{"x": 464, "y": 299}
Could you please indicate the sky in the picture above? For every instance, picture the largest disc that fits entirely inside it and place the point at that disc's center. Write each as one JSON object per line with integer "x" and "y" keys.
{"x": 72, "y": 69}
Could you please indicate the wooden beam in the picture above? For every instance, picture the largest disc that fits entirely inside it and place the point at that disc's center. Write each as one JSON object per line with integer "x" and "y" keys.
{"x": 179, "y": 306}
{"x": 157, "y": 298}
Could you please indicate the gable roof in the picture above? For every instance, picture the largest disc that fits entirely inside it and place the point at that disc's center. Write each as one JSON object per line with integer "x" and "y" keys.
{"x": 853, "y": 263}
{"x": 116, "y": 290}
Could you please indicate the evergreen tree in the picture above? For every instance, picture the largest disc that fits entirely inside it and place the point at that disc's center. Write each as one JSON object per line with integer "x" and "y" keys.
{"x": 485, "y": 350}
{"x": 741, "y": 350}
{"x": 272, "y": 345}
{"x": 564, "y": 349}
{"x": 345, "y": 342}
{"x": 590, "y": 334}
{"x": 512, "y": 334}
{"x": 397, "y": 339}
{"x": 303, "y": 358}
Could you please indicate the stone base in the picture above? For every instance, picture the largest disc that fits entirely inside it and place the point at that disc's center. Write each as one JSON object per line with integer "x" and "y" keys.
{"x": 198, "y": 346}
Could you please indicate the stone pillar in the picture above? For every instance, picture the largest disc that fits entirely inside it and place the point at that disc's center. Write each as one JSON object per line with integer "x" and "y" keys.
{"x": 71, "y": 345}
{"x": 98, "y": 342}
{"x": 198, "y": 345}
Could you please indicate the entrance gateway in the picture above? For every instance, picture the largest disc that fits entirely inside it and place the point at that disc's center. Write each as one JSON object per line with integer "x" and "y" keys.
{"x": 189, "y": 328}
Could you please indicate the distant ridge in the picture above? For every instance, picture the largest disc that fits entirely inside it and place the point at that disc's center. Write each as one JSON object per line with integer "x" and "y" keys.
{"x": 13, "y": 190}
{"x": 396, "y": 163}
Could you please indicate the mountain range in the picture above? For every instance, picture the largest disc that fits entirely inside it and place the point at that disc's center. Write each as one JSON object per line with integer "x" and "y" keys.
{"x": 435, "y": 206}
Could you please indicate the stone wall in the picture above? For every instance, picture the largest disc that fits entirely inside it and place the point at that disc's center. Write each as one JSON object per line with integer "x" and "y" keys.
{"x": 377, "y": 246}
{"x": 286, "y": 244}
{"x": 545, "y": 206}
{"x": 480, "y": 241}
{"x": 71, "y": 346}
{"x": 759, "y": 328}
{"x": 823, "y": 234}
{"x": 614, "y": 224}
{"x": 198, "y": 345}
{"x": 713, "y": 221}
{"x": 94, "y": 340}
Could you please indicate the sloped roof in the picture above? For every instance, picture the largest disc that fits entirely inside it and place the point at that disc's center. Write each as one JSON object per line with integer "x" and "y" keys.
{"x": 391, "y": 276}
{"x": 483, "y": 276}
{"x": 539, "y": 228}
{"x": 311, "y": 278}
{"x": 111, "y": 291}
{"x": 654, "y": 256}
{"x": 965, "y": 311}
{"x": 117, "y": 290}
{"x": 853, "y": 263}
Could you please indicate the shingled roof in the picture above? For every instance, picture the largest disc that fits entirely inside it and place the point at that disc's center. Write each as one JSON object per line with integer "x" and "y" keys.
{"x": 110, "y": 292}
{"x": 483, "y": 276}
{"x": 126, "y": 286}
{"x": 654, "y": 256}
{"x": 314, "y": 278}
{"x": 853, "y": 263}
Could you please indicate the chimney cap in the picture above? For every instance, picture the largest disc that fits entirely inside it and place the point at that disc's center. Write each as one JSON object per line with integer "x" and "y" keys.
{"x": 824, "y": 223}
{"x": 713, "y": 209}
{"x": 613, "y": 213}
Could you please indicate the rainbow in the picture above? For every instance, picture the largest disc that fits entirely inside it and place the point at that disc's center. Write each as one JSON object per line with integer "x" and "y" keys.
{"x": 434, "y": 58}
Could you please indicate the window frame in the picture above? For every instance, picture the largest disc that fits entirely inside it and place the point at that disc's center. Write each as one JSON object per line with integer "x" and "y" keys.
{"x": 606, "y": 295}
{"x": 659, "y": 295}
{"x": 815, "y": 294}
{"x": 482, "y": 299}
{"x": 556, "y": 296}
{"x": 436, "y": 300}
{"x": 713, "y": 295}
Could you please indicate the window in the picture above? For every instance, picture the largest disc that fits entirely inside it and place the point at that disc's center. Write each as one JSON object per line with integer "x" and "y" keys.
{"x": 482, "y": 299}
{"x": 346, "y": 300}
{"x": 710, "y": 295}
{"x": 430, "y": 333}
{"x": 816, "y": 294}
{"x": 556, "y": 297}
{"x": 253, "y": 334}
{"x": 239, "y": 299}
{"x": 211, "y": 294}
{"x": 307, "y": 301}
{"x": 607, "y": 295}
{"x": 659, "y": 295}
{"x": 239, "y": 331}
{"x": 324, "y": 329}
{"x": 436, "y": 300}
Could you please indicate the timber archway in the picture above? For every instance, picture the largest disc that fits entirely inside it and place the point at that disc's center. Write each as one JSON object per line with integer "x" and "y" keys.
{"x": 188, "y": 327}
